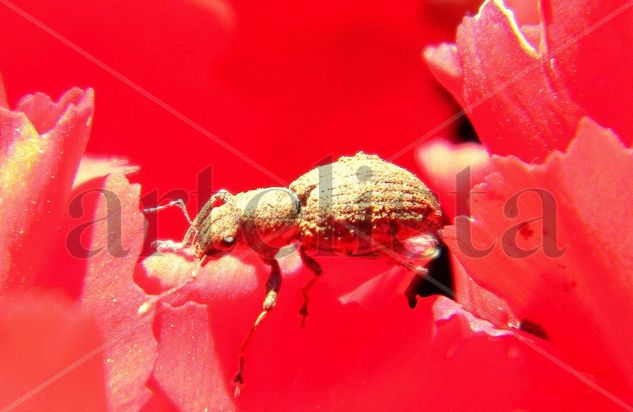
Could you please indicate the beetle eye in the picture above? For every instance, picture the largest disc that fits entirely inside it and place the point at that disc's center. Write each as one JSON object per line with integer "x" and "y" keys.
{"x": 228, "y": 241}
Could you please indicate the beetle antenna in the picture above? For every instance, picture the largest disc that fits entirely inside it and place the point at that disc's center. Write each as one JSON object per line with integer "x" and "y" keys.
{"x": 149, "y": 303}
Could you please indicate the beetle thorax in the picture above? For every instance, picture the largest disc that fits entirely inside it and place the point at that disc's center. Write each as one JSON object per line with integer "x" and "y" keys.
{"x": 269, "y": 217}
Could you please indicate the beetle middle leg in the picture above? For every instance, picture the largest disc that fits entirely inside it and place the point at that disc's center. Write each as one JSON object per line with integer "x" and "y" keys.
{"x": 272, "y": 290}
{"x": 314, "y": 266}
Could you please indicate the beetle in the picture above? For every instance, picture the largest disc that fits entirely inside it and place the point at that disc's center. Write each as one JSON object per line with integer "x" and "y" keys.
{"x": 357, "y": 206}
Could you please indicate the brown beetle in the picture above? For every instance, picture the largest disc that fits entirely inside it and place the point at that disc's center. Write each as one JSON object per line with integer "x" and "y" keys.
{"x": 360, "y": 205}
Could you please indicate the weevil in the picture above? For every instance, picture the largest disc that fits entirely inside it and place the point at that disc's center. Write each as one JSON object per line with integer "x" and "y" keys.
{"x": 356, "y": 206}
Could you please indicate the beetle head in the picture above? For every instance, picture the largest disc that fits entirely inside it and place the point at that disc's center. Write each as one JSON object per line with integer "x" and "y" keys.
{"x": 218, "y": 230}
{"x": 265, "y": 218}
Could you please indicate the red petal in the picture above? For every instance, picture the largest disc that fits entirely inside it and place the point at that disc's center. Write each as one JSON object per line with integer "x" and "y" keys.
{"x": 442, "y": 162}
{"x": 396, "y": 359}
{"x": 188, "y": 360}
{"x": 73, "y": 251}
{"x": 110, "y": 293}
{"x": 348, "y": 357}
{"x": 444, "y": 168}
{"x": 369, "y": 282}
{"x": 446, "y": 66}
{"x": 3, "y": 94}
{"x": 525, "y": 11}
{"x": 580, "y": 299}
{"x": 508, "y": 89}
{"x": 45, "y": 113}
{"x": 379, "y": 290}
{"x": 479, "y": 301}
{"x": 49, "y": 356}
{"x": 36, "y": 174}
{"x": 230, "y": 276}
{"x": 591, "y": 41}
{"x": 536, "y": 376}
{"x": 94, "y": 167}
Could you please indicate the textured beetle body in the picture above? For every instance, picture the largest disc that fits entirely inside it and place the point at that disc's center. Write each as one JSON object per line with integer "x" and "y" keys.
{"x": 357, "y": 205}
{"x": 361, "y": 204}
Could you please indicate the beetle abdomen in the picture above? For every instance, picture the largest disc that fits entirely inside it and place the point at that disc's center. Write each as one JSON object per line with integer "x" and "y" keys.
{"x": 359, "y": 203}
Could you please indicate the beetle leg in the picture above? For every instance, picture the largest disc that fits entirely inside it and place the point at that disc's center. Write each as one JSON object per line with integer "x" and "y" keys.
{"x": 314, "y": 266}
{"x": 222, "y": 195}
{"x": 272, "y": 290}
{"x": 178, "y": 202}
{"x": 436, "y": 281}
{"x": 149, "y": 303}
{"x": 169, "y": 245}
{"x": 202, "y": 217}
{"x": 421, "y": 274}
{"x": 422, "y": 277}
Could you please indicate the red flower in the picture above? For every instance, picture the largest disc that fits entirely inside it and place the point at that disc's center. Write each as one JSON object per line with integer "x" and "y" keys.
{"x": 42, "y": 144}
{"x": 555, "y": 329}
{"x": 41, "y": 336}
{"x": 41, "y": 341}
{"x": 203, "y": 85}
{"x": 540, "y": 238}
{"x": 526, "y": 87}
{"x": 391, "y": 357}
{"x": 441, "y": 161}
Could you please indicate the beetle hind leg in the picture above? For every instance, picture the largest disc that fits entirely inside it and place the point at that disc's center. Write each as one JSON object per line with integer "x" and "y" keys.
{"x": 314, "y": 266}
{"x": 420, "y": 277}
{"x": 431, "y": 276}
{"x": 425, "y": 284}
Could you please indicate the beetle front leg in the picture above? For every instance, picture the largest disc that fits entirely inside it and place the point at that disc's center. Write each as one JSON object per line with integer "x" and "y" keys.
{"x": 170, "y": 245}
{"x": 314, "y": 266}
{"x": 149, "y": 303}
{"x": 163, "y": 246}
{"x": 202, "y": 221}
{"x": 272, "y": 290}
{"x": 178, "y": 203}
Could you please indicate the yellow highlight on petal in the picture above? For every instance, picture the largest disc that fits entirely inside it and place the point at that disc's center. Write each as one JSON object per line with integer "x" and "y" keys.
{"x": 144, "y": 308}
{"x": 509, "y": 15}
{"x": 22, "y": 157}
